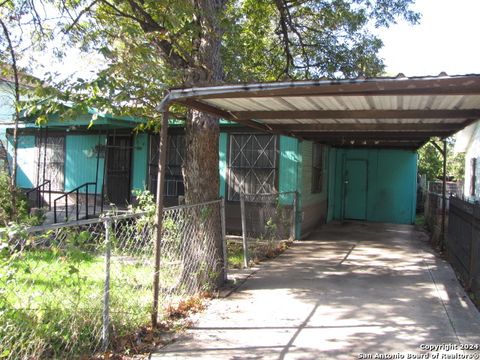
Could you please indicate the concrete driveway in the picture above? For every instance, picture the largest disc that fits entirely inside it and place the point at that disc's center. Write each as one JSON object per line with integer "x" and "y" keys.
{"x": 351, "y": 291}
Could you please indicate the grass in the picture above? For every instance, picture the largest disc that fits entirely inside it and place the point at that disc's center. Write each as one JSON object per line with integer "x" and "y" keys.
{"x": 258, "y": 251}
{"x": 420, "y": 220}
{"x": 51, "y": 301}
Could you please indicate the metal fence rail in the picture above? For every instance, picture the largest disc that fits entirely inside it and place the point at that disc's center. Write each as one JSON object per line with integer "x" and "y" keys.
{"x": 463, "y": 245}
{"x": 67, "y": 289}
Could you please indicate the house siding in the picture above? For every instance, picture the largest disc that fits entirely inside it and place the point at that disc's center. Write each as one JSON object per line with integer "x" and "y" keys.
{"x": 473, "y": 152}
{"x": 26, "y": 155}
{"x": 289, "y": 174}
{"x": 222, "y": 165}
{"x": 391, "y": 184}
{"x": 81, "y": 161}
{"x": 140, "y": 162}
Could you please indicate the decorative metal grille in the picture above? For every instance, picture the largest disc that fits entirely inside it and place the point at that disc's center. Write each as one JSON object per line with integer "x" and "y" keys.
{"x": 175, "y": 155}
{"x": 51, "y": 161}
{"x": 252, "y": 164}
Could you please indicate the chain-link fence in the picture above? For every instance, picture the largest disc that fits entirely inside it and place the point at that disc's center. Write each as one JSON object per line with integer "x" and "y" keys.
{"x": 267, "y": 220}
{"x": 433, "y": 217}
{"x": 67, "y": 290}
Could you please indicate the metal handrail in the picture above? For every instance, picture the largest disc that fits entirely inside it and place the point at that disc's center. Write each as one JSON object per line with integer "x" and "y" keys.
{"x": 39, "y": 192}
{"x": 76, "y": 191}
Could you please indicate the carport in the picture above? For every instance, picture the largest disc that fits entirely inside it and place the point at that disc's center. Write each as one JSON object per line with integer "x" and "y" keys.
{"x": 368, "y": 114}
{"x": 363, "y": 118}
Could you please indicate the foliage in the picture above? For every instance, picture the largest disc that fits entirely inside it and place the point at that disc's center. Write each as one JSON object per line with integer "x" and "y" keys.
{"x": 9, "y": 196}
{"x": 150, "y": 46}
{"x": 430, "y": 162}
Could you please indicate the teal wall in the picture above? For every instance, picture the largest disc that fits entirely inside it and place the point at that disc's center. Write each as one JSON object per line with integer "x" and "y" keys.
{"x": 222, "y": 165}
{"x": 391, "y": 181}
{"x": 26, "y": 155}
{"x": 140, "y": 162}
{"x": 81, "y": 161}
{"x": 290, "y": 163}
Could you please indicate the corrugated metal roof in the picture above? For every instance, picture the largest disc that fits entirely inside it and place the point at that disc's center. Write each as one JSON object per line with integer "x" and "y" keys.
{"x": 368, "y": 112}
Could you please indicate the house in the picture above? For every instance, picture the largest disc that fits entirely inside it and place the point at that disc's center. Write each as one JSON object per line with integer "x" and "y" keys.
{"x": 119, "y": 160}
{"x": 348, "y": 148}
{"x": 468, "y": 141}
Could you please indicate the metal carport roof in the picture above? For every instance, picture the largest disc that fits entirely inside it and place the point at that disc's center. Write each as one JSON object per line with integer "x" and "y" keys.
{"x": 386, "y": 112}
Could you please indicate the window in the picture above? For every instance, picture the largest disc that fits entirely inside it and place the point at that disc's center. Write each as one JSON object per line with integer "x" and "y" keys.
{"x": 317, "y": 168}
{"x": 252, "y": 164}
{"x": 51, "y": 161}
{"x": 173, "y": 177}
{"x": 473, "y": 176}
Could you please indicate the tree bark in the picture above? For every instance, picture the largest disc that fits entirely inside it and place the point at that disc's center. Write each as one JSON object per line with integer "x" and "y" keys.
{"x": 200, "y": 168}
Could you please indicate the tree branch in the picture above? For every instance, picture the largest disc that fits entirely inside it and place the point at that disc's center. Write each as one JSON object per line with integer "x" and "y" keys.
{"x": 80, "y": 14}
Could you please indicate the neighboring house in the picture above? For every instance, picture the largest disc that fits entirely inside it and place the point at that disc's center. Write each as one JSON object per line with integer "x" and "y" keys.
{"x": 468, "y": 141}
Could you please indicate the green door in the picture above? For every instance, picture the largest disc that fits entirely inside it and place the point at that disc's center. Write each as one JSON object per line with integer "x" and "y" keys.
{"x": 355, "y": 179}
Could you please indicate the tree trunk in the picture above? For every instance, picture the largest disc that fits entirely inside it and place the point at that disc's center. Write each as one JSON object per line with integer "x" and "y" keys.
{"x": 200, "y": 168}
{"x": 13, "y": 184}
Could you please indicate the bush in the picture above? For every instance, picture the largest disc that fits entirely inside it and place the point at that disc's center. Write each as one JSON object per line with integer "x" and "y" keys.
{"x": 7, "y": 198}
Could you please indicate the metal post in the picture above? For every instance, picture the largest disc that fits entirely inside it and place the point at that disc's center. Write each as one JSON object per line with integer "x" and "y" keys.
{"x": 49, "y": 195}
{"x": 162, "y": 148}
{"x": 294, "y": 216}
{"x": 86, "y": 201}
{"x": 55, "y": 211}
{"x": 224, "y": 239}
{"x": 106, "y": 287}
{"x": 444, "y": 193}
{"x": 66, "y": 207}
{"x": 76, "y": 205}
{"x": 244, "y": 230}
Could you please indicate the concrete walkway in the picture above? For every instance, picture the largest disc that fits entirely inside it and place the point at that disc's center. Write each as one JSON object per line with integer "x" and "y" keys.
{"x": 352, "y": 291}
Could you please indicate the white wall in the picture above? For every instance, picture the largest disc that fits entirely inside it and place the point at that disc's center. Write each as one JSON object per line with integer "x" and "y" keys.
{"x": 473, "y": 151}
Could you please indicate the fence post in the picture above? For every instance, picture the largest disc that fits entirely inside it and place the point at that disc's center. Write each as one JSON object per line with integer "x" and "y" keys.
{"x": 244, "y": 230}
{"x": 294, "y": 216}
{"x": 106, "y": 287}
{"x": 224, "y": 240}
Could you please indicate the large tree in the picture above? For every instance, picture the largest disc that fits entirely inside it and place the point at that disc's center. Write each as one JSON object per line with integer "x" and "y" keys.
{"x": 151, "y": 45}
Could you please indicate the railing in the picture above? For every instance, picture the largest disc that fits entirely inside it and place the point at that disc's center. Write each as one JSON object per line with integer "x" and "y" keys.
{"x": 39, "y": 193}
{"x": 77, "y": 193}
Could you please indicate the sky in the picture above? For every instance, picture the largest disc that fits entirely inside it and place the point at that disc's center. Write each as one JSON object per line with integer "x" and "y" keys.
{"x": 445, "y": 40}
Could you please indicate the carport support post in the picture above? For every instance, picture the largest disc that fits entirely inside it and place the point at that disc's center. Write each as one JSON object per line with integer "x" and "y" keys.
{"x": 444, "y": 192}
{"x": 443, "y": 151}
{"x": 162, "y": 149}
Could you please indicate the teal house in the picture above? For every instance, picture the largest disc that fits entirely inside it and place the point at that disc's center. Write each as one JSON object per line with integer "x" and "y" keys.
{"x": 332, "y": 183}
{"x": 346, "y": 147}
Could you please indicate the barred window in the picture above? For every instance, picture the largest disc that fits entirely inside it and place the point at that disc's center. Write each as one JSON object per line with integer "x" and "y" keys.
{"x": 174, "y": 186}
{"x": 317, "y": 168}
{"x": 252, "y": 164}
{"x": 51, "y": 161}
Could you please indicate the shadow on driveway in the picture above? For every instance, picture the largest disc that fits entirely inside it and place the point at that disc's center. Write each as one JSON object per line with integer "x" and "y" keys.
{"x": 350, "y": 289}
